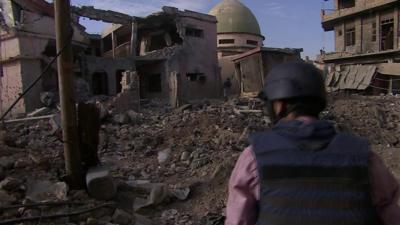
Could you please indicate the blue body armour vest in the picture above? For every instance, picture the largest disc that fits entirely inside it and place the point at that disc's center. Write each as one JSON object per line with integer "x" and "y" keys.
{"x": 310, "y": 175}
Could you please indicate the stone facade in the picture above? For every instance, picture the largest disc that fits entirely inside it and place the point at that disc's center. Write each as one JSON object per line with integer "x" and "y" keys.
{"x": 367, "y": 32}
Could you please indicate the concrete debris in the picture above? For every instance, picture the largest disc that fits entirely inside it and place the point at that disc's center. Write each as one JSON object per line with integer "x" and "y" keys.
{"x": 122, "y": 118}
{"x": 164, "y": 156}
{"x": 42, "y": 191}
{"x": 161, "y": 158}
{"x": 181, "y": 193}
{"x": 169, "y": 214}
{"x": 40, "y": 112}
{"x": 82, "y": 90}
{"x": 22, "y": 163}
{"x": 6, "y": 163}
{"x": 100, "y": 183}
{"x": 6, "y": 199}
{"x": 184, "y": 107}
{"x": 104, "y": 113}
{"x": 6, "y": 139}
{"x": 91, "y": 221}
{"x": 55, "y": 123}
{"x": 142, "y": 220}
{"x": 121, "y": 217}
{"x": 10, "y": 184}
{"x": 134, "y": 117}
{"x": 48, "y": 98}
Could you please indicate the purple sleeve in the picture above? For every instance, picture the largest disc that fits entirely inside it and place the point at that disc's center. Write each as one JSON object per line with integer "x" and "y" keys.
{"x": 385, "y": 192}
{"x": 244, "y": 191}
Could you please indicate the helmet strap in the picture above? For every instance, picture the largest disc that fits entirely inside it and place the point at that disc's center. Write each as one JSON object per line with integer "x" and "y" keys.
{"x": 275, "y": 118}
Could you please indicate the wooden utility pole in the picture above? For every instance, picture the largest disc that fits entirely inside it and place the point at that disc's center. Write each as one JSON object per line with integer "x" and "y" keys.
{"x": 72, "y": 155}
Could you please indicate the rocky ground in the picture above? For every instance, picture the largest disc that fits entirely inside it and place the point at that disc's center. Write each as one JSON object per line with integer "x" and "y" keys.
{"x": 170, "y": 166}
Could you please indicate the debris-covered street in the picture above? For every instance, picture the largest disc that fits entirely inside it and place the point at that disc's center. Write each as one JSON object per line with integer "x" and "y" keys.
{"x": 170, "y": 165}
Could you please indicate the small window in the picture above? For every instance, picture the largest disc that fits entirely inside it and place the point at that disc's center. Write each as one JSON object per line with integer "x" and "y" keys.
{"x": 154, "y": 83}
{"x": 193, "y": 32}
{"x": 345, "y": 4}
{"x": 351, "y": 36}
{"x": 340, "y": 33}
{"x": 373, "y": 38}
{"x": 251, "y": 42}
{"x": 107, "y": 43}
{"x": 226, "y": 41}
{"x": 195, "y": 76}
{"x": 202, "y": 78}
{"x": 387, "y": 21}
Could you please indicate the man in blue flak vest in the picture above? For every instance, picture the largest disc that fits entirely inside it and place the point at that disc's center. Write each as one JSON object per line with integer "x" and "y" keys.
{"x": 303, "y": 172}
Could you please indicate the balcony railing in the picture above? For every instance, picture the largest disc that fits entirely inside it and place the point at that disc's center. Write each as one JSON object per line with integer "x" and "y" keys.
{"x": 329, "y": 14}
{"x": 341, "y": 55}
{"x": 123, "y": 50}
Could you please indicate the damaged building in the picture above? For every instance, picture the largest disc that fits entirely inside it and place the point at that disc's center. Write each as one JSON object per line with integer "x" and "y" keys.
{"x": 170, "y": 55}
{"x": 175, "y": 54}
{"x": 239, "y": 37}
{"x": 27, "y": 45}
{"x": 252, "y": 66}
{"x": 367, "y": 46}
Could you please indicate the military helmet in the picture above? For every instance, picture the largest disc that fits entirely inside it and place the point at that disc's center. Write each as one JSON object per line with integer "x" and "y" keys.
{"x": 294, "y": 80}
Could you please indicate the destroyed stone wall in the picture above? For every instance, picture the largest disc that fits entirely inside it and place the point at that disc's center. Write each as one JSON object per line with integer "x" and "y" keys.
{"x": 22, "y": 53}
{"x": 94, "y": 64}
{"x": 198, "y": 56}
{"x": 30, "y": 70}
{"x": 129, "y": 98}
{"x": 35, "y": 23}
{"x": 149, "y": 70}
{"x": 11, "y": 87}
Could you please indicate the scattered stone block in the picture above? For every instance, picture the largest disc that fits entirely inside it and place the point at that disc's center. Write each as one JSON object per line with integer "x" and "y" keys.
{"x": 164, "y": 156}
{"x": 40, "y": 112}
{"x": 10, "y": 184}
{"x": 39, "y": 191}
{"x": 100, "y": 183}
{"x": 121, "y": 118}
{"x": 121, "y": 217}
{"x": 7, "y": 162}
{"x": 6, "y": 199}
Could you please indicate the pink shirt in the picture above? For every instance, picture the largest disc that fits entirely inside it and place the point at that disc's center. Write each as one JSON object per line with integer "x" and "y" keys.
{"x": 244, "y": 191}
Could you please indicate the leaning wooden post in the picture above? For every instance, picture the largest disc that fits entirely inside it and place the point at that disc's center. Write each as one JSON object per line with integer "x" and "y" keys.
{"x": 72, "y": 155}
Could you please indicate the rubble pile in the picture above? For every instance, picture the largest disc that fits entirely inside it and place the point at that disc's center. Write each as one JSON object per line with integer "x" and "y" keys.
{"x": 170, "y": 166}
{"x": 374, "y": 117}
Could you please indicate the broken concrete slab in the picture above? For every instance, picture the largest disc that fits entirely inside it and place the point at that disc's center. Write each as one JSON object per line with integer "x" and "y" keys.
{"x": 100, "y": 183}
{"x": 40, "y": 112}
{"x": 48, "y": 98}
{"x": 121, "y": 118}
{"x": 10, "y": 184}
{"x": 164, "y": 156}
{"x": 107, "y": 16}
{"x": 7, "y": 162}
{"x": 40, "y": 191}
{"x": 6, "y": 199}
{"x": 180, "y": 193}
{"x": 121, "y": 217}
{"x": 134, "y": 117}
{"x": 55, "y": 123}
{"x": 184, "y": 107}
{"x": 142, "y": 220}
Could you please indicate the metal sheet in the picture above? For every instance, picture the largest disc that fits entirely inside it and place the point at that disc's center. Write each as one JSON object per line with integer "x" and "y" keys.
{"x": 389, "y": 69}
{"x": 351, "y": 77}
